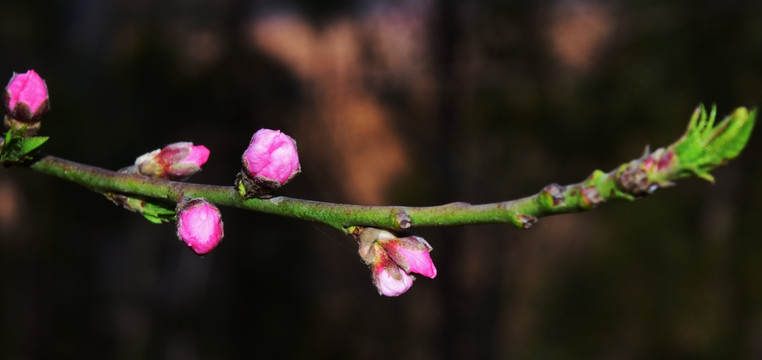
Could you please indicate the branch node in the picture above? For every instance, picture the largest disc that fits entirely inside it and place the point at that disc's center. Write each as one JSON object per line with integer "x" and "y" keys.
{"x": 633, "y": 179}
{"x": 526, "y": 221}
{"x": 591, "y": 197}
{"x": 403, "y": 219}
{"x": 552, "y": 196}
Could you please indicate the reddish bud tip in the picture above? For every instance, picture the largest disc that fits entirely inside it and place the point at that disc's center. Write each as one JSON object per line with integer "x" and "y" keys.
{"x": 199, "y": 224}
{"x": 411, "y": 254}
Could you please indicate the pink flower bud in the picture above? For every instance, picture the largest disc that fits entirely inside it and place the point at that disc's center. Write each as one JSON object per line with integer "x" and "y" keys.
{"x": 411, "y": 254}
{"x": 392, "y": 259}
{"x": 388, "y": 278}
{"x": 270, "y": 161}
{"x": 199, "y": 224}
{"x": 26, "y": 97}
{"x": 176, "y": 161}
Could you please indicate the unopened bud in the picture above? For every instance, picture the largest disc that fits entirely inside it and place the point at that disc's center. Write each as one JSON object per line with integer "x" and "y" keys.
{"x": 26, "y": 100}
{"x": 176, "y": 161}
{"x": 270, "y": 161}
{"x": 392, "y": 259}
{"x": 199, "y": 224}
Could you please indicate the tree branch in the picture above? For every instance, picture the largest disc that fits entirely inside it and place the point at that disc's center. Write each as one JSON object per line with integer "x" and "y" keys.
{"x": 702, "y": 148}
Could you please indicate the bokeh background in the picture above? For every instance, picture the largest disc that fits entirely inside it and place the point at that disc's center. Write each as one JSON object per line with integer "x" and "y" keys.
{"x": 410, "y": 102}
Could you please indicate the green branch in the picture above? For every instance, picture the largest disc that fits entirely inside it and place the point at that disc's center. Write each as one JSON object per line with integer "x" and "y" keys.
{"x": 702, "y": 148}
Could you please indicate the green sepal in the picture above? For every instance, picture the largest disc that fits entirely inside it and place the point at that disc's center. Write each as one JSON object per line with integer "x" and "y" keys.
{"x": 241, "y": 189}
{"x": 8, "y": 136}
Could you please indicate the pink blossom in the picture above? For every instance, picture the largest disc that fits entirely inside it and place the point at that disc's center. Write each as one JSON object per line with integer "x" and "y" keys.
{"x": 199, "y": 224}
{"x": 176, "y": 161}
{"x": 411, "y": 254}
{"x": 271, "y": 157}
{"x": 26, "y": 97}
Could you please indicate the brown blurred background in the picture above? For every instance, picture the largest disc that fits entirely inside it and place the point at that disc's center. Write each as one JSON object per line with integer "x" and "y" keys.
{"x": 411, "y": 102}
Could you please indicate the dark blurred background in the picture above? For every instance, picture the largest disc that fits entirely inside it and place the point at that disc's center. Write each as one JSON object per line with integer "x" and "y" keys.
{"x": 392, "y": 102}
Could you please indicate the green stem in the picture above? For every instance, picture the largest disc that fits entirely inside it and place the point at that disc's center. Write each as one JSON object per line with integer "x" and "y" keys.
{"x": 701, "y": 149}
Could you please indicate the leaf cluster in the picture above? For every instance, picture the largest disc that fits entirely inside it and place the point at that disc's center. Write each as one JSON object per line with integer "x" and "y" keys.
{"x": 16, "y": 147}
{"x": 705, "y": 146}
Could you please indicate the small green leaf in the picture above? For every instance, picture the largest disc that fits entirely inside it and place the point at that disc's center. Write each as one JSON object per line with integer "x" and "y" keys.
{"x": 157, "y": 213}
{"x": 30, "y": 144}
{"x": 153, "y": 219}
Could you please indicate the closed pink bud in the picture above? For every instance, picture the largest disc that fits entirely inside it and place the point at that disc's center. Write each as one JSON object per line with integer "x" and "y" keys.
{"x": 176, "y": 161}
{"x": 26, "y": 97}
{"x": 388, "y": 278}
{"x": 199, "y": 224}
{"x": 270, "y": 161}
{"x": 411, "y": 254}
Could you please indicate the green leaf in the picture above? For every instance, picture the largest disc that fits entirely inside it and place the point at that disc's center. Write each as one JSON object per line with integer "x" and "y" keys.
{"x": 154, "y": 212}
{"x": 30, "y": 144}
{"x": 154, "y": 219}
{"x": 18, "y": 147}
{"x": 157, "y": 213}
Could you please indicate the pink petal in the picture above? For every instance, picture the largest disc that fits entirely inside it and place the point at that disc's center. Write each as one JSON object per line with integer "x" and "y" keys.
{"x": 411, "y": 254}
{"x": 417, "y": 261}
{"x": 198, "y": 155}
{"x": 390, "y": 285}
